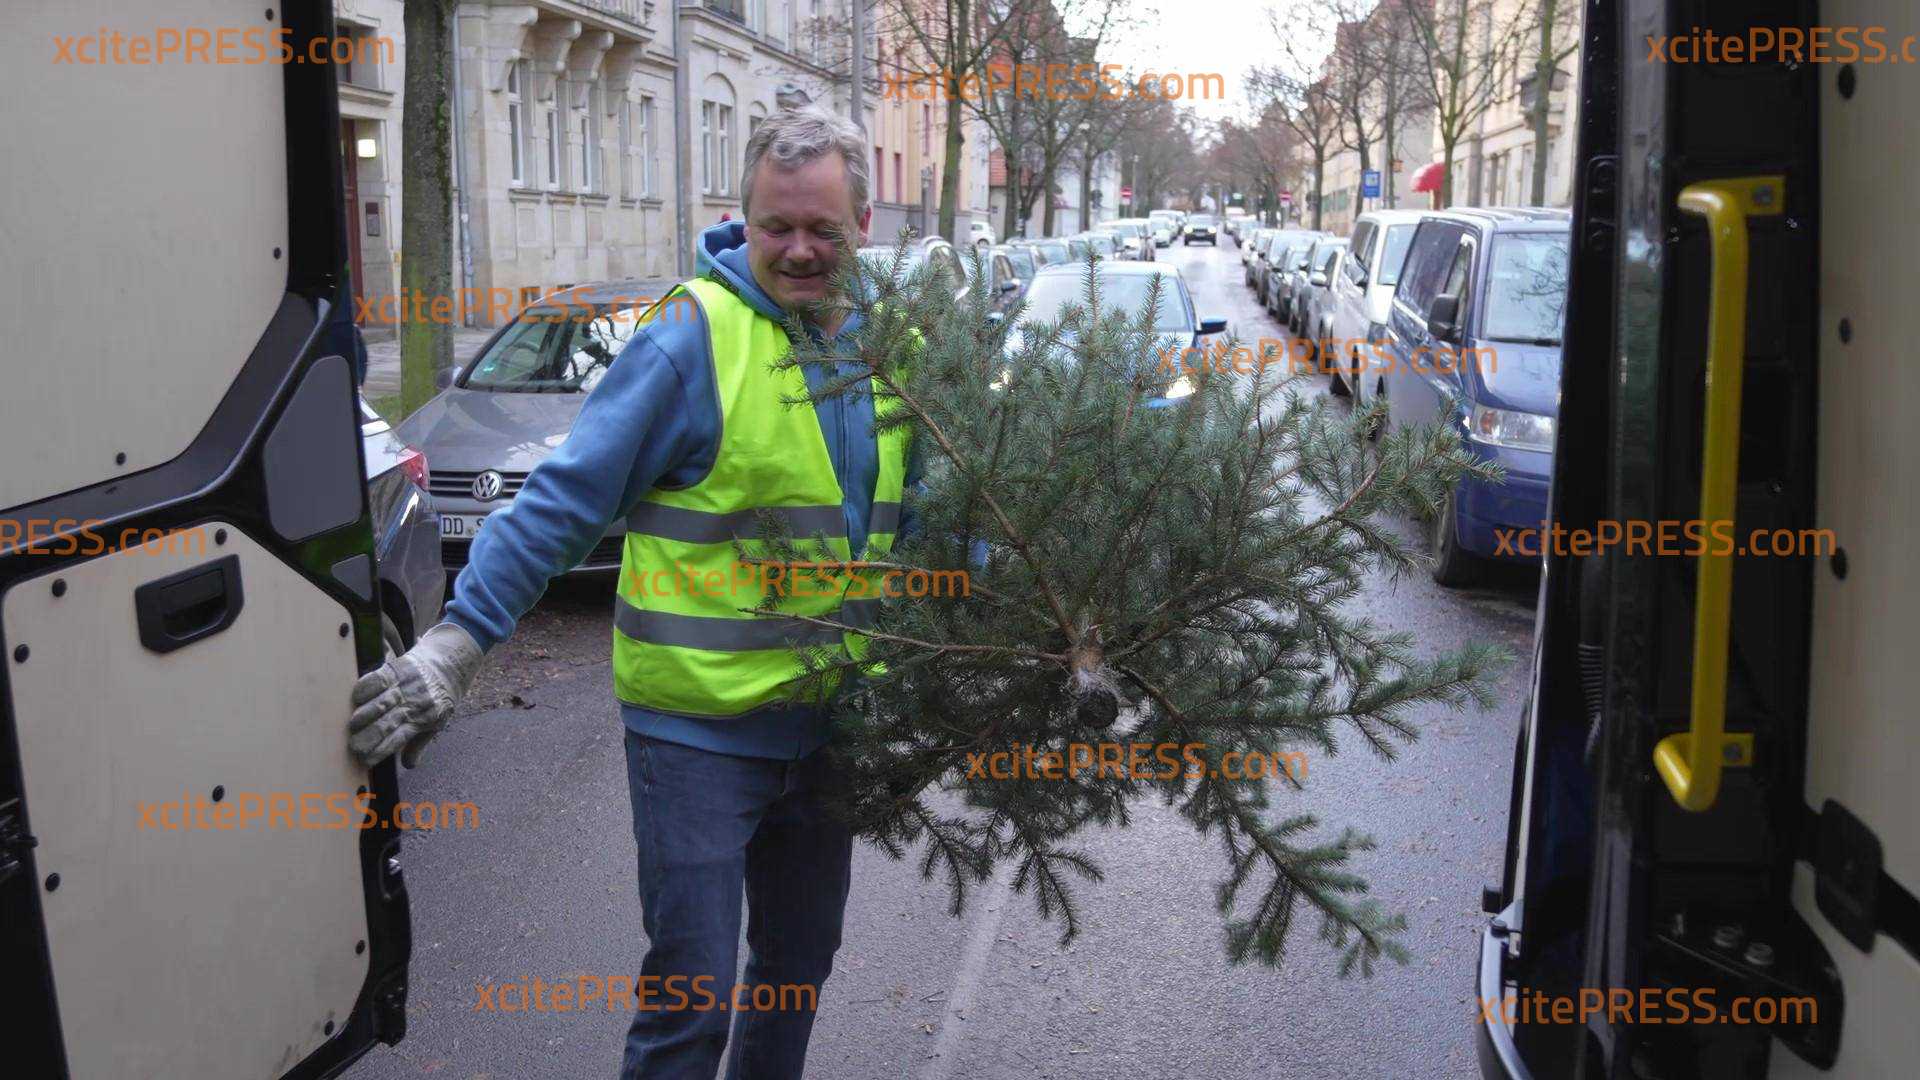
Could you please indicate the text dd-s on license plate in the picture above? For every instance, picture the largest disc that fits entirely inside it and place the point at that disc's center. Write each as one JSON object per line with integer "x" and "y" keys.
{"x": 460, "y": 526}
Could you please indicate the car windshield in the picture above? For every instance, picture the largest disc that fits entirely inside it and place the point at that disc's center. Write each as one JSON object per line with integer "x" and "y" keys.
{"x": 1125, "y": 294}
{"x": 1103, "y": 244}
{"x": 1527, "y": 288}
{"x": 1201, "y": 220}
{"x": 1394, "y": 255}
{"x": 1079, "y": 249}
{"x": 1055, "y": 252}
{"x": 880, "y": 258}
{"x": 554, "y": 351}
{"x": 1022, "y": 260}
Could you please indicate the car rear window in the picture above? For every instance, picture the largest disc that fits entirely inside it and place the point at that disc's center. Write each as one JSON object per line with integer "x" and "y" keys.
{"x": 1394, "y": 255}
{"x": 554, "y": 350}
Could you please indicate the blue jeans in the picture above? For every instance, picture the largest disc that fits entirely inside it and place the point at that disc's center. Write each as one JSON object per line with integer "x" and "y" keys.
{"x": 710, "y": 827}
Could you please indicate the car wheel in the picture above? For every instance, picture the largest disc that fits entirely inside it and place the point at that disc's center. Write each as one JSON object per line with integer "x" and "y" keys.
{"x": 1452, "y": 566}
{"x": 1336, "y": 382}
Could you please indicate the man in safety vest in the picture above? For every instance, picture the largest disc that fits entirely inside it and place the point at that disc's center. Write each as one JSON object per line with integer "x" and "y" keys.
{"x": 688, "y": 440}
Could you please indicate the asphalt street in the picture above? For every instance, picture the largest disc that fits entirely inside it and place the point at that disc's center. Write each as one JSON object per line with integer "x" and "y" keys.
{"x": 544, "y": 886}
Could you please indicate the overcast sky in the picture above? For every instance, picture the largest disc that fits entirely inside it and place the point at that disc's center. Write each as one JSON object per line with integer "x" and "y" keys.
{"x": 1205, "y": 36}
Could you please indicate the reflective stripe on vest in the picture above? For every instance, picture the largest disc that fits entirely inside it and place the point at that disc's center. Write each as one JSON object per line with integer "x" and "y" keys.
{"x": 687, "y": 636}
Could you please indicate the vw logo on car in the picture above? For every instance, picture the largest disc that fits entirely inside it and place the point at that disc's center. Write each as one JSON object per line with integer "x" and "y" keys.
{"x": 486, "y": 486}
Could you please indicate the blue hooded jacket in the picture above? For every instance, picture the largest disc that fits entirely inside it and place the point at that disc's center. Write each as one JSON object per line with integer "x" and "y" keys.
{"x": 654, "y": 420}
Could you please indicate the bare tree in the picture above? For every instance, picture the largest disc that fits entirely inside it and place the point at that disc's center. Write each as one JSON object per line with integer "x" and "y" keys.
{"x": 1160, "y": 143}
{"x": 1310, "y": 111}
{"x": 1265, "y": 152}
{"x": 952, "y": 40}
{"x": 426, "y": 186}
{"x": 1556, "y": 33}
{"x": 1462, "y": 46}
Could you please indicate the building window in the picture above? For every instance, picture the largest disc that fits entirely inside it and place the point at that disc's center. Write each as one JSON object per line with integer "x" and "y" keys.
{"x": 899, "y": 180}
{"x": 646, "y": 147}
{"x": 813, "y": 30}
{"x": 706, "y": 147}
{"x": 716, "y": 147}
{"x": 626, "y": 147}
{"x": 586, "y": 130}
{"x": 553, "y": 141}
{"x": 726, "y": 149}
{"x": 926, "y": 130}
{"x": 517, "y": 122}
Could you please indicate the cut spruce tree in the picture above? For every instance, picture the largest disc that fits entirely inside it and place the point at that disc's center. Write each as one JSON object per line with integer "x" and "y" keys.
{"x": 1161, "y": 548}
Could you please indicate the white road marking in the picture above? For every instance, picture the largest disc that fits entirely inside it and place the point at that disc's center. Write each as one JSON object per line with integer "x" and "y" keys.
{"x": 990, "y": 909}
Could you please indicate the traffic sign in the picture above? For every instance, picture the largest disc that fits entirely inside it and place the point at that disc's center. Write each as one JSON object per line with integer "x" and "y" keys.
{"x": 1126, "y": 194}
{"x": 1370, "y": 184}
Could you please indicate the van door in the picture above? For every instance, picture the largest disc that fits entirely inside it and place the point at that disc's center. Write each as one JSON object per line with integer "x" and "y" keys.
{"x": 186, "y": 559}
{"x": 1856, "y": 881}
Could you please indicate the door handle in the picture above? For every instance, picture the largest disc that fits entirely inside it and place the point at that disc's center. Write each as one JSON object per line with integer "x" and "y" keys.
{"x": 182, "y": 608}
{"x": 1691, "y": 762}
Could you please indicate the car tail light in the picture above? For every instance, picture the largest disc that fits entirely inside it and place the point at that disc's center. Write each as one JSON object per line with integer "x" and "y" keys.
{"x": 414, "y": 464}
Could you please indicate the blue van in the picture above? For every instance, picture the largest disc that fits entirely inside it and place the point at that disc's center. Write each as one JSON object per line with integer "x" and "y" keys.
{"x": 1473, "y": 340}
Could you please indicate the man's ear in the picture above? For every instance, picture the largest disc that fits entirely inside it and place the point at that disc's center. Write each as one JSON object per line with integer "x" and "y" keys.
{"x": 866, "y": 219}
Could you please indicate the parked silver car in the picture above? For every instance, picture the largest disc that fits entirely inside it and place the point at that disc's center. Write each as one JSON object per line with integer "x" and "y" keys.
{"x": 1310, "y": 287}
{"x": 412, "y": 581}
{"x": 514, "y": 404}
{"x": 1286, "y": 269}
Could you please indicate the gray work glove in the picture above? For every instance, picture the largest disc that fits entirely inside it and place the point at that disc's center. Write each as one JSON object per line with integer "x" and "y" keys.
{"x": 410, "y": 698}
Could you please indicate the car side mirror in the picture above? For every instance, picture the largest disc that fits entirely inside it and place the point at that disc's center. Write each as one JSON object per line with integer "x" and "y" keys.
{"x": 1359, "y": 276}
{"x": 443, "y": 378}
{"x": 1215, "y": 325}
{"x": 1318, "y": 278}
{"x": 1443, "y": 317}
{"x": 995, "y": 318}
{"x": 1009, "y": 285}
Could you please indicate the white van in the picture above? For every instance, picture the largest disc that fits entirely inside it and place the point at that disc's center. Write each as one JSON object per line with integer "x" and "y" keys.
{"x": 148, "y": 931}
{"x": 1362, "y": 291}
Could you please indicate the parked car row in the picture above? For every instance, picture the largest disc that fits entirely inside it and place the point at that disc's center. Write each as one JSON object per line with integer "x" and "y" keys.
{"x": 1449, "y": 317}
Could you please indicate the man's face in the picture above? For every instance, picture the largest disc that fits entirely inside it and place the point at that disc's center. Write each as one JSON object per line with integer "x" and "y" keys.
{"x": 790, "y": 242}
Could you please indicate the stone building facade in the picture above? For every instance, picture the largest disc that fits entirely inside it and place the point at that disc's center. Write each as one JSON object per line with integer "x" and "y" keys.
{"x": 575, "y": 158}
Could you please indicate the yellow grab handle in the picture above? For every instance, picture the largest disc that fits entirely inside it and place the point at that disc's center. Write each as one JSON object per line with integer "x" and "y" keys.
{"x": 1690, "y": 763}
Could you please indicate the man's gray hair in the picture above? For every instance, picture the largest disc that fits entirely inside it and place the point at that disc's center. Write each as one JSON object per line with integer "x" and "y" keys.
{"x": 794, "y": 137}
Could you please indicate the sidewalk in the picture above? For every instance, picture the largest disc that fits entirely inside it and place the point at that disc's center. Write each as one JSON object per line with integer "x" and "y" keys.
{"x": 383, "y": 358}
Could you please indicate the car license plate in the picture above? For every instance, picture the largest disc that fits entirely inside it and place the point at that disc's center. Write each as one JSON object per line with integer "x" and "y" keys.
{"x": 460, "y": 526}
